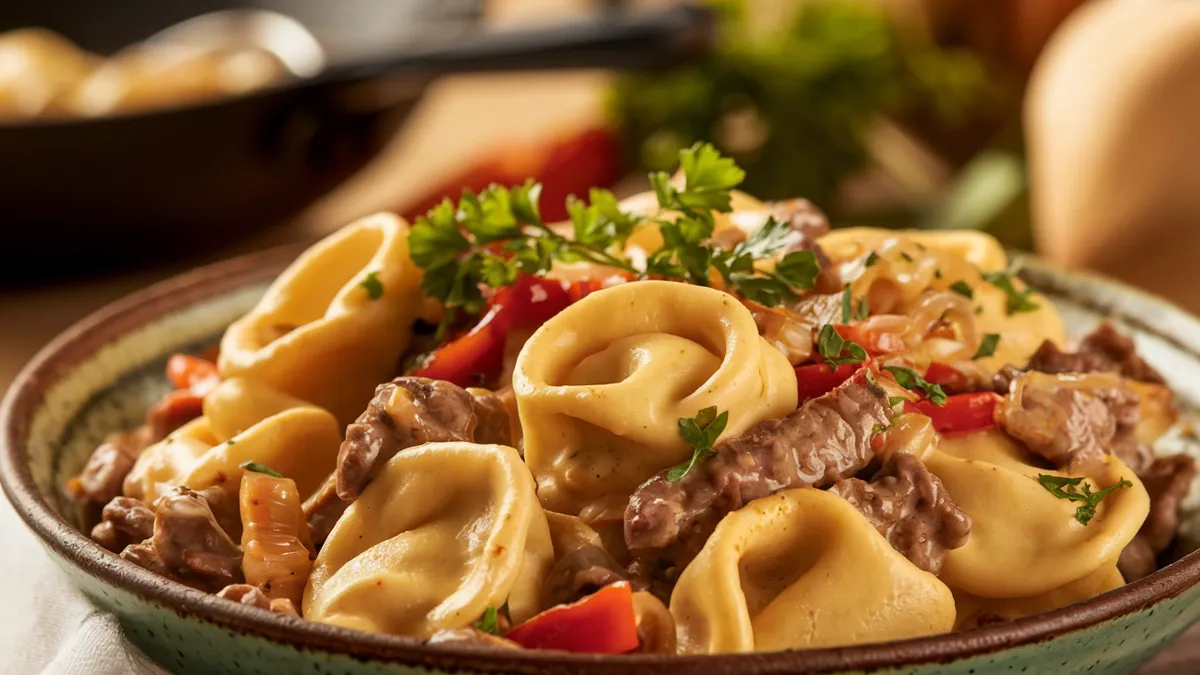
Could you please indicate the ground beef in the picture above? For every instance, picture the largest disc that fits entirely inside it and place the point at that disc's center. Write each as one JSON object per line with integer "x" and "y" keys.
{"x": 124, "y": 521}
{"x": 580, "y": 573}
{"x": 1167, "y": 480}
{"x": 908, "y": 505}
{"x": 188, "y": 544}
{"x": 825, "y": 440}
{"x": 1069, "y": 421}
{"x": 1102, "y": 350}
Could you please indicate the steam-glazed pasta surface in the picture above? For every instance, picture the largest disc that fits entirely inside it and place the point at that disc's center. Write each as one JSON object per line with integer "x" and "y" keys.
{"x": 689, "y": 422}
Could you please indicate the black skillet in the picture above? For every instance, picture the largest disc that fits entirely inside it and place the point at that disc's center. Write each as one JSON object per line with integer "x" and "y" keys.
{"x": 81, "y": 195}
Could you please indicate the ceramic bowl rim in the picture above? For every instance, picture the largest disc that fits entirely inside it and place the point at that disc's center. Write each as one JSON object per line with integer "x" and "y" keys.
{"x": 83, "y": 338}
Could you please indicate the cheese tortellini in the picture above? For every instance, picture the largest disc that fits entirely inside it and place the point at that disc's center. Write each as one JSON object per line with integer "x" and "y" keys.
{"x": 334, "y": 324}
{"x": 1024, "y": 540}
{"x": 600, "y": 386}
{"x": 800, "y": 569}
{"x": 446, "y": 531}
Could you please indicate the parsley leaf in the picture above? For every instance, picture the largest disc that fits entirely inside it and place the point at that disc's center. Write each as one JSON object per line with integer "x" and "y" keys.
{"x": 963, "y": 288}
{"x": 987, "y": 346}
{"x": 907, "y": 257}
{"x": 872, "y": 258}
{"x": 863, "y": 311}
{"x": 708, "y": 178}
{"x": 895, "y": 400}
{"x": 488, "y": 623}
{"x": 260, "y": 468}
{"x": 1018, "y": 301}
{"x": 911, "y": 380}
{"x": 600, "y": 222}
{"x": 372, "y": 285}
{"x": 847, "y": 312}
{"x": 1064, "y": 487}
{"x": 831, "y": 345}
{"x": 700, "y": 432}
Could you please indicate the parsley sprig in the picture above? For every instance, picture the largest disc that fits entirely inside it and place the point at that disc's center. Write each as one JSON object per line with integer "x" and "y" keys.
{"x": 488, "y": 623}
{"x": 912, "y": 380}
{"x": 259, "y": 468}
{"x": 491, "y": 238}
{"x": 700, "y": 432}
{"x": 1067, "y": 488}
{"x": 832, "y": 346}
{"x": 1017, "y": 301}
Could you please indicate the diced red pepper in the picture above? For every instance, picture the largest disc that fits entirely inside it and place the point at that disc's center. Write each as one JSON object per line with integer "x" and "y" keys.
{"x": 174, "y": 410}
{"x": 187, "y": 371}
{"x": 875, "y": 342}
{"x": 962, "y": 413}
{"x": 816, "y": 379}
{"x": 947, "y": 375}
{"x": 601, "y": 623}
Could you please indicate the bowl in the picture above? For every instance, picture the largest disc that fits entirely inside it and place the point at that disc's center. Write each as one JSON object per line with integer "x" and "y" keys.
{"x": 101, "y": 374}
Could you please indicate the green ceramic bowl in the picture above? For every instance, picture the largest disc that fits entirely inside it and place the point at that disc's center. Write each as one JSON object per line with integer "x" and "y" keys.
{"x": 101, "y": 374}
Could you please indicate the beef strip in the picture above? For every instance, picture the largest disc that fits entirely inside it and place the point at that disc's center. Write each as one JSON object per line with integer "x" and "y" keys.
{"x": 910, "y": 507}
{"x": 493, "y": 425}
{"x": 1103, "y": 350}
{"x": 1069, "y": 421}
{"x": 106, "y": 468}
{"x": 1167, "y": 480}
{"x": 825, "y": 440}
{"x": 323, "y": 509}
{"x": 188, "y": 544}
{"x": 580, "y": 573}
{"x": 406, "y": 412}
{"x": 124, "y": 521}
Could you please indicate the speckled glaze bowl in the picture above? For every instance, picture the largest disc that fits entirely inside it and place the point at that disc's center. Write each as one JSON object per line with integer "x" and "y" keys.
{"x": 101, "y": 374}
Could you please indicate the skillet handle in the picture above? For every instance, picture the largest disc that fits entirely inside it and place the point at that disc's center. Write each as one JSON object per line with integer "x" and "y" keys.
{"x": 611, "y": 39}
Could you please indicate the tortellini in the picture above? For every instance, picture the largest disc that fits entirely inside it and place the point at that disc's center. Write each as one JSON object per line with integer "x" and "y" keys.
{"x": 803, "y": 568}
{"x": 334, "y": 324}
{"x": 600, "y": 387}
{"x": 1024, "y": 540}
{"x": 301, "y": 443}
{"x": 446, "y": 531}
{"x": 973, "y": 611}
{"x": 237, "y": 404}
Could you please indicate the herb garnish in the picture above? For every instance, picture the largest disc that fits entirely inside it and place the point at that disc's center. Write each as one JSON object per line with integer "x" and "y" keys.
{"x": 831, "y": 345}
{"x": 1067, "y": 488}
{"x": 963, "y": 288}
{"x": 907, "y": 257}
{"x": 863, "y": 310}
{"x": 894, "y": 401}
{"x": 1018, "y": 301}
{"x": 372, "y": 285}
{"x": 700, "y": 432}
{"x": 872, "y": 258}
{"x": 847, "y": 311}
{"x": 260, "y": 468}
{"x": 488, "y": 623}
{"x": 911, "y": 380}
{"x": 987, "y": 346}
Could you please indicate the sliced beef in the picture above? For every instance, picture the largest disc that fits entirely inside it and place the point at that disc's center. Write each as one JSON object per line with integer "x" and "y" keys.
{"x": 1069, "y": 420}
{"x": 106, "y": 468}
{"x": 910, "y": 507}
{"x": 1103, "y": 350}
{"x": 819, "y": 309}
{"x": 323, "y": 509}
{"x": 188, "y": 544}
{"x": 124, "y": 521}
{"x": 1167, "y": 480}
{"x": 493, "y": 424}
{"x": 825, "y": 440}
{"x": 580, "y": 573}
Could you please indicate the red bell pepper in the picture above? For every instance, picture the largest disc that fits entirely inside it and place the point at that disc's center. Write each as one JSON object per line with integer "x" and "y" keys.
{"x": 564, "y": 166}
{"x": 816, "y": 379}
{"x": 946, "y": 375}
{"x": 602, "y": 623}
{"x": 187, "y": 371}
{"x": 875, "y": 342}
{"x": 962, "y": 413}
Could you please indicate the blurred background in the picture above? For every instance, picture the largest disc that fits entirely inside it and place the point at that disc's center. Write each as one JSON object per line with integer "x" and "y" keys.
{"x": 1061, "y": 126}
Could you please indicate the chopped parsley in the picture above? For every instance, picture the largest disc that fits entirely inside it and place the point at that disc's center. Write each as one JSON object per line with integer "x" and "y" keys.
{"x": 1017, "y": 301}
{"x": 872, "y": 258}
{"x": 488, "y": 623}
{"x": 260, "y": 468}
{"x": 847, "y": 309}
{"x": 911, "y": 380}
{"x": 963, "y": 288}
{"x": 372, "y": 285}
{"x": 987, "y": 346}
{"x": 907, "y": 257}
{"x": 832, "y": 345}
{"x": 1067, "y": 488}
{"x": 863, "y": 310}
{"x": 700, "y": 432}
{"x": 895, "y": 400}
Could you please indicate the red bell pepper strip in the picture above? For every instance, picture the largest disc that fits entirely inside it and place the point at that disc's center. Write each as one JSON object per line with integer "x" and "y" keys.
{"x": 875, "y": 342}
{"x": 946, "y": 375}
{"x": 602, "y": 623}
{"x": 816, "y": 379}
{"x": 187, "y": 371}
{"x": 962, "y": 413}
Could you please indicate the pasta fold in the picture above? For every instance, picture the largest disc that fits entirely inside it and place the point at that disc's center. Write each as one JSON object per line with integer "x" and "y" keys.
{"x": 600, "y": 387}
{"x": 974, "y": 611}
{"x": 1024, "y": 540}
{"x": 802, "y": 568}
{"x": 446, "y": 531}
{"x": 334, "y": 324}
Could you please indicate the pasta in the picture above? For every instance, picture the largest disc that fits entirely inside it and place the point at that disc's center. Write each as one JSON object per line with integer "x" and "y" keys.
{"x": 802, "y": 569}
{"x": 446, "y": 531}
{"x": 321, "y": 333}
{"x": 686, "y": 423}
{"x": 599, "y": 385}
